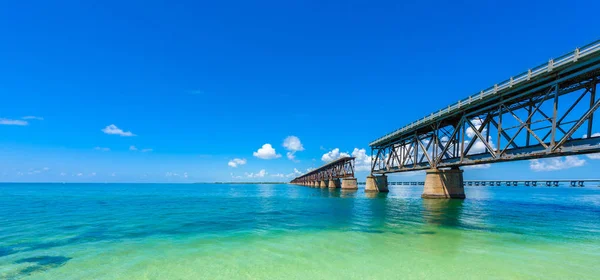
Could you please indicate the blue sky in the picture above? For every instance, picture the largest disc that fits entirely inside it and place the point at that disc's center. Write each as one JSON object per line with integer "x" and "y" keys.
{"x": 157, "y": 91}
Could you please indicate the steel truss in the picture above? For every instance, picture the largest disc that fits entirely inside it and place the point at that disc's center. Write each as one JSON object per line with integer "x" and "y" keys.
{"x": 340, "y": 168}
{"x": 522, "y": 123}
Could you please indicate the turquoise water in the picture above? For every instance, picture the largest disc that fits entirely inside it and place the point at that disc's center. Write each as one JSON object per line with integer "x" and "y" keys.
{"x": 198, "y": 231}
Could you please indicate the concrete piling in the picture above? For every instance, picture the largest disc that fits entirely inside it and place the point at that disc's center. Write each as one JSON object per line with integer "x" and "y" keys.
{"x": 349, "y": 184}
{"x": 441, "y": 183}
{"x": 376, "y": 184}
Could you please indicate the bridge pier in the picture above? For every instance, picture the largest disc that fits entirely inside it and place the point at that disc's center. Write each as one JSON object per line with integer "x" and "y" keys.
{"x": 376, "y": 184}
{"x": 349, "y": 184}
{"x": 323, "y": 184}
{"x": 444, "y": 184}
{"x": 334, "y": 183}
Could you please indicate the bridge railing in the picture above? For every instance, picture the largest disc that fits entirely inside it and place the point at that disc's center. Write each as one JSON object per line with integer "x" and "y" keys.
{"x": 532, "y": 73}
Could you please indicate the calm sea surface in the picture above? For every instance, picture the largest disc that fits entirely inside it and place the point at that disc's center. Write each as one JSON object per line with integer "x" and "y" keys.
{"x": 199, "y": 231}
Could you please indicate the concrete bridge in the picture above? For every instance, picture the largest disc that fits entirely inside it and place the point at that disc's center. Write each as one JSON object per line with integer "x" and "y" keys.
{"x": 546, "y": 111}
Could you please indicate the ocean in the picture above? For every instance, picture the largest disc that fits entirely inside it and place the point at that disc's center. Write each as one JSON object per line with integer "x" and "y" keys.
{"x": 223, "y": 231}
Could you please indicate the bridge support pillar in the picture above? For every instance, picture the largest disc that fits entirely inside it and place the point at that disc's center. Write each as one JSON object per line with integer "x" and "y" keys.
{"x": 349, "y": 184}
{"x": 444, "y": 184}
{"x": 376, "y": 184}
{"x": 315, "y": 184}
{"x": 334, "y": 183}
{"x": 323, "y": 184}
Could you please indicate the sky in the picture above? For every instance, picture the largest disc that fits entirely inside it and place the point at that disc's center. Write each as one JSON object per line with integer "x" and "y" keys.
{"x": 203, "y": 91}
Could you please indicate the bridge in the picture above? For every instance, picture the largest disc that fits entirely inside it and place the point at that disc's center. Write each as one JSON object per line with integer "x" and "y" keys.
{"x": 329, "y": 175}
{"x": 546, "y": 111}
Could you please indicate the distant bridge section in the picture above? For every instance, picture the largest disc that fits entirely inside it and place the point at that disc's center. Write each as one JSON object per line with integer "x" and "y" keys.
{"x": 329, "y": 175}
{"x": 547, "y": 111}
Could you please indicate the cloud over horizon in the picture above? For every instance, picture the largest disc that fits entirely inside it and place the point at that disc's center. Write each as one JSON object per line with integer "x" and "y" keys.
{"x": 554, "y": 164}
{"x": 262, "y": 173}
{"x": 236, "y": 162}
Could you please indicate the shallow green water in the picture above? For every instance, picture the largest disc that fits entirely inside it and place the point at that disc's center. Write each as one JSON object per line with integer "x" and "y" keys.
{"x": 163, "y": 231}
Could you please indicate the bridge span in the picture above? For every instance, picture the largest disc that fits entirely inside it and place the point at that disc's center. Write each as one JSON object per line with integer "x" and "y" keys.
{"x": 330, "y": 174}
{"x": 546, "y": 111}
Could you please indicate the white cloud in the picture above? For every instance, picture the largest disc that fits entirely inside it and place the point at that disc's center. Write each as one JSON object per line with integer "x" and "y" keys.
{"x": 113, "y": 129}
{"x": 296, "y": 173}
{"x": 33, "y": 171}
{"x": 171, "y": 174}
{"x": 33, "y": 118}
{"x": 113, "y": 174}
{"x": 594, "y": 156}
{"x": 260, "y": 174}
{"x": 93, "y": 174}
{"x": 362, "y": 161}
{"x": 291, "y": 156}
{"x": 236, "y": 162}
{"x": 266, "y": 152}
{"x": 479, "y": 166}
{"x": 480, "y": 147}
{"x": 63, "y": 174}
{"x": 553, "y": 164}
{"x": 185, "y": 175}
{"x": 13, "y": 122}
{"x": 292, "y": 144}
{"x": 134, "y": 148}
{"x": 279, "y": 175}
{"x": 104, "y": 149}
{"x": 333, "y": 155}
{"x": 477, "y": 123}
{"x": 79, "y": 174}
